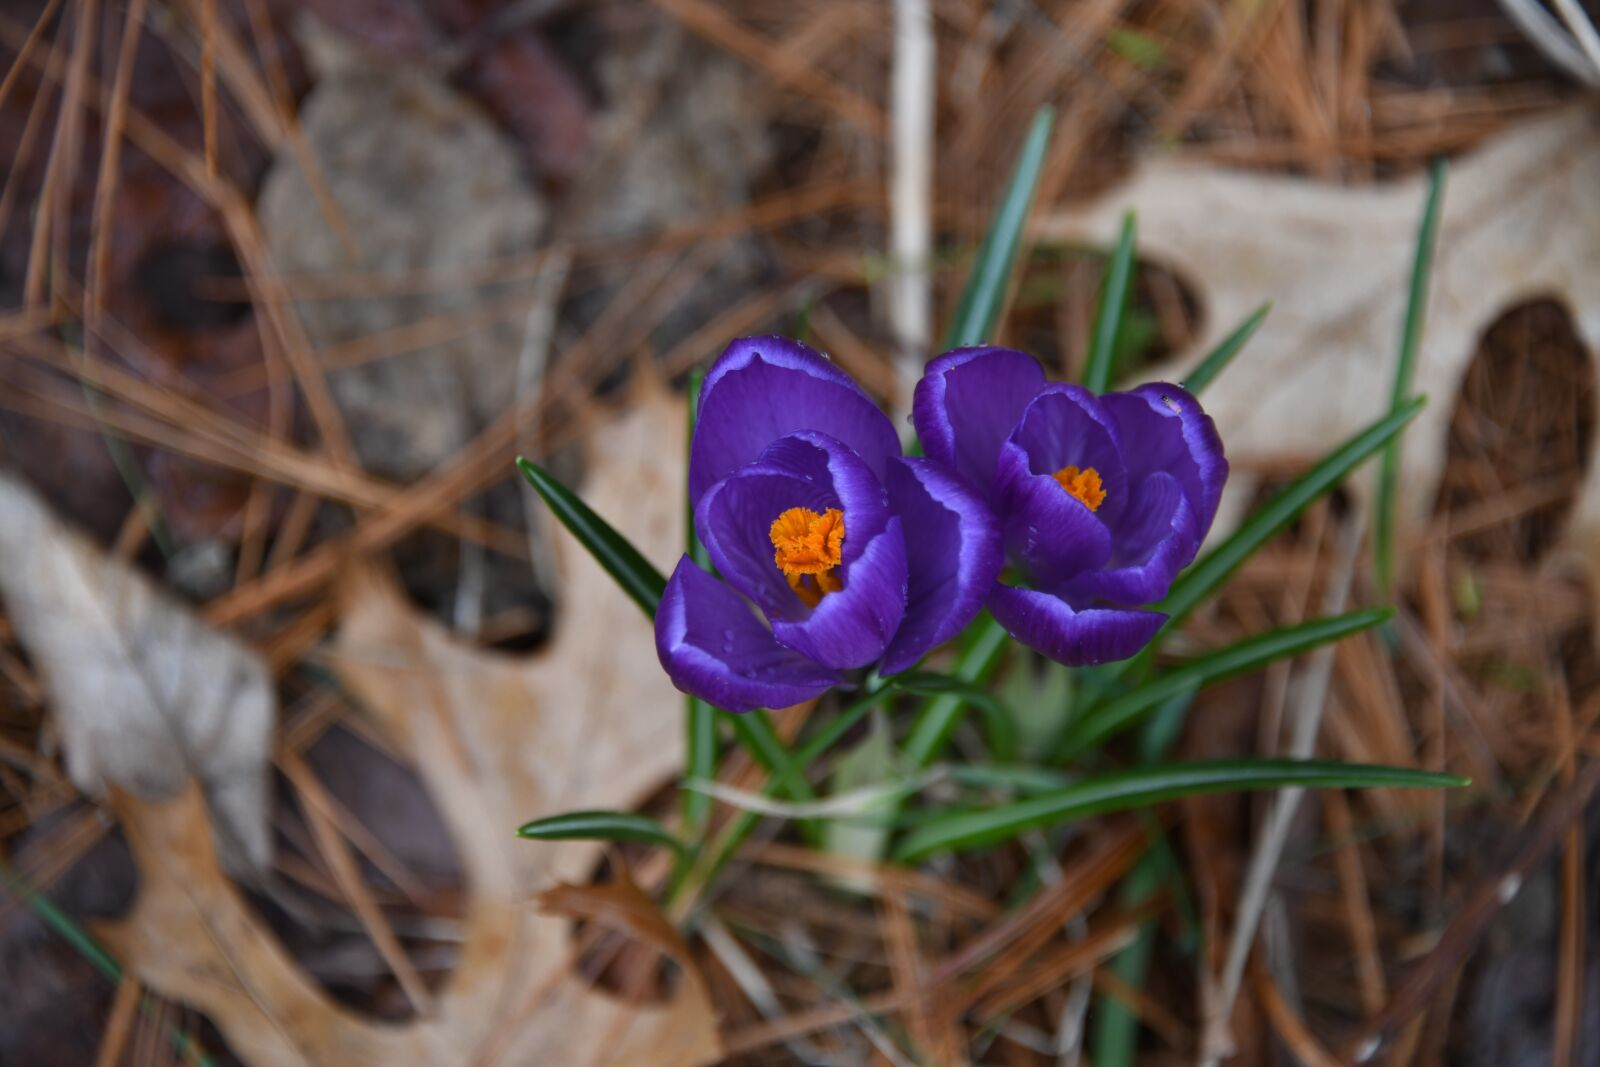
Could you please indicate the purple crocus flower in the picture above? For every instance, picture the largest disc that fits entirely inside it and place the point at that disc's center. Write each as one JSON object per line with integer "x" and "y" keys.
{"x": 835, "y": 551}
{"x": 1102, "y": 499}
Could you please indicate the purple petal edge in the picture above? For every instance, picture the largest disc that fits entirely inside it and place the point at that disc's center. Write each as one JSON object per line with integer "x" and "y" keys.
{"x": 968, "y": 401}
{"x": 953, "y": 551}
{"x": 764, "y": 388}
{"x": 1086, "y": 638}
{"x": 852, "y": 627}
{"x": 712, "y": 646}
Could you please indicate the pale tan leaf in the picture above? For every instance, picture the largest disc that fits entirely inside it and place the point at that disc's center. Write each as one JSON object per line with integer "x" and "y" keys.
{"x": 1520, "y": 220}
{"x": 590, "y": 721}
{"x": 145, "y": 694}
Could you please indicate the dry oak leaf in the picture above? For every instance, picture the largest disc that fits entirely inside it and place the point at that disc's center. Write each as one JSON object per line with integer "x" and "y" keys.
{"x": 145, "y": 694}
{"x": 590, "y": 721}
{"x": 1520, "y": 221}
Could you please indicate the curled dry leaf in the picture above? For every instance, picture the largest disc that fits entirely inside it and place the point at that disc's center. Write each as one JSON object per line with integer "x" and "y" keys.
{"x": 145, "y": 694}
{"x": 1519, "y": 222}
{"x": 589, "y": 722}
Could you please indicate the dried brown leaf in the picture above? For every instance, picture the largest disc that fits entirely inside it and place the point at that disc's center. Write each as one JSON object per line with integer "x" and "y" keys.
{"x": 1518, "y": 221}
{"x": 146, "y": 695}
{"x": 588, "y": 722}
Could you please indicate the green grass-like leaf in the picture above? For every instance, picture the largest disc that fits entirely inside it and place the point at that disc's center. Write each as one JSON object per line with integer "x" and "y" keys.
{"x": 999, "y": 720}
{"x": 1405, "y": 371}
{"x": 1143, "y": 786}
{"x": 1244, "y": 656}
{"x": 601, "y": 826}
{"x": 784, "y": 776}
{"x": 978, "y": 310}
{"x": 760, "y": 738}
{"x": 1219, "y": 357}
{"x": 1112, "y": 313}
{"x": 1212, "y": 569}
{"x": 636, "y": 575}
{"x": 700, "y": 718}
{"x": 938, "y": 718}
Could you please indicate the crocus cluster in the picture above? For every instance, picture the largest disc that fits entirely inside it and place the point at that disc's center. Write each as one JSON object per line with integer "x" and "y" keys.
{"x": 1061, "y": 511}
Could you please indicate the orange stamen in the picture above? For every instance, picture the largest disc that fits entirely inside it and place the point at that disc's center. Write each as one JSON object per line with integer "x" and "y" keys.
{"x": 807, "y": 549}
{"x": 1084, "y": 484}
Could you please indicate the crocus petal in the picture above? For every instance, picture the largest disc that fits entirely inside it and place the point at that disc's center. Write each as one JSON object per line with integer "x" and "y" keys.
{"x": 852, "y": 627}
{"x": 830, "y": 464}
{"x": 968, "y": 402}
{"x": 1166, "y": 430}
{"x": 1066, "y": 425}
{"x": 734, "y": 522}
{"x": 1077, "y": 638}
{"x": 1158, "y": 539}
{"x": 763, "y": 388}
{"x": 713, "y": 646}
{"x": 1049, "y": 532}
{"x": 953, "y": 556}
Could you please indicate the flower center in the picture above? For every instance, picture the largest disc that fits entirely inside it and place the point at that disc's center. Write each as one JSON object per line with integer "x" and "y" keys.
{"x": 1084, "y": 484}
{"x": 807, "y": 550}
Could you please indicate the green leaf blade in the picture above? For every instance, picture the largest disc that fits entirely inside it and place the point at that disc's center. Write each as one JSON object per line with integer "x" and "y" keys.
{"x": 1241, "y": 657}
{"x": 938, "y": 718}
{"x": 700, "y": 718}
{"x": 1212, "y": 569}
{"x": 999, "y": 719}
{"x": 636, "y": 575}
{"x": 1115, "y": 292}
{"x": 1217, "y": 360}
{"x": 1405, "y": 372}
{"x": 978, "y": 310}
{"x": 601, "y": 826}
{"x": 1145, "y": 786}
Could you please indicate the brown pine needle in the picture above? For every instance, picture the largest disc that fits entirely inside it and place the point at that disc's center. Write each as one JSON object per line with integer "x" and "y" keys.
{"x": 343, "y": 865}
{"x": 208, "y": 82}
{"x": 120, "y": 1024}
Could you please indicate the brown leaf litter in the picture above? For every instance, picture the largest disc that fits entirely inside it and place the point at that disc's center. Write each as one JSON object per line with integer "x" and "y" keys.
{"x": 587, "y": 722}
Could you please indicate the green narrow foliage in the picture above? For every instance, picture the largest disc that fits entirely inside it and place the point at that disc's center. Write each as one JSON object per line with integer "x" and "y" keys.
{"x": 1212, "y": 569}
{"x": 1113, "y": 310}
{"x": 1405, "y": 371}
{"x": 978, "y": 310}
{"x": 700, "y": 718}
{"x": 635, "y": 574}
{"x": 1217, "y": 360}
{"x": 783, "y": 778}
{"x": 1116, "y": 1028}
{"x": 1019, "y": 777}
{"x": 757, "y": 734}
{"x": 999, "y": 721}
{"x": 938, "y": 718}
{"x": 1247, "y": 655}
{"x": 601, "y": 826}
{"x": 1143, "y": 786}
